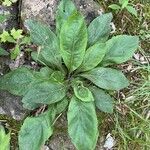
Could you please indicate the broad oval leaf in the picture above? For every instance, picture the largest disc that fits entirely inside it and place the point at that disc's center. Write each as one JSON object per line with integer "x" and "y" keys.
{"x": 17, "y": 81}
{"x": 73, "y": 41}
{"x": 93, "y": 56}
{"x": 65, "y": 10}
{"x": 99, "y": 29}
{"x": 46, "y": 40}
{"x": 45, "y": 92}
{"x": 120, "y": 49}
{"x": 107, "y": 78}
{"x": 103, "y": 101}
{"x": 36, "y": 130}
{"x": 82, "y": 92}
{"x": 82, "y": 124}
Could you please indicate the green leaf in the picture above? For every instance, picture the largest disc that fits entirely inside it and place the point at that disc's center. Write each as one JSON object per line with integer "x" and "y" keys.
{"x": 124, "y": 3}
{"x": 3, "y": 18}
{"x": 120, "y": 49}
{"x": 17, "y": 81}
{"x": 6, "y": 37}
{"x": 82, "y": 92}
{"x": 16, "y": 34}
{"x": 4, "y": 139}
{"x": 46, "y": 40}
{"x": 132, "y": 10}
{"x": 3, "y": 52}
{"x": 46, "y": 72}
{"x": 103, "y": 101}
{"x": 40, "y": 59}
{"x": 114, "y": 6}
{"x": 15, "y": 52}
{"x": 62, "y": 105}
{"x": 73, "y": 41}
{"x": 45, "y": 92}
{"x": 65, "y": 10}
{"x": 7, "y": 3}
{"x": 57, "y": 76}
{"x": 99, "y": 29}
{"x": 82, "y": 124}
{"x": 31, "y": 106}
{"x": 93, "y": 56}
{"x": 36, "y": 130}
{"x": 107, "y": 78}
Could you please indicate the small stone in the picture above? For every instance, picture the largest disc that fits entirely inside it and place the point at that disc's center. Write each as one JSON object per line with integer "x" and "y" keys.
{"x": 11, "y": 105}
{"x": 110, "y": 142}
{"x": 45, "y": 10}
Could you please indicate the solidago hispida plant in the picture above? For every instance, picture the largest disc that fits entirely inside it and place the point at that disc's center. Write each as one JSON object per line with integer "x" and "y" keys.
{"x": 75, "y": 76}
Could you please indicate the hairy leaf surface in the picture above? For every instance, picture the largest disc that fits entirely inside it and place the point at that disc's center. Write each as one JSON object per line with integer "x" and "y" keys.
{"x": 83, "y": 93}
{"x": 62, "y": 105}
{"x": 73, "y": 41}
{"x": 93, "y": 56}
{"x": 103, "y": 101}
{"x": 36, "y": 130}
{"x": 18, "y": 81}
{"x": 99, "y": 29}
{"x": 45, "y": 92}
{"x": 120, "y": 48}
{"x": 65, "y": 10}
{"x": 46, "y": 40}
{"x": 82, "y": 124}
{"x": 107, "y": 78}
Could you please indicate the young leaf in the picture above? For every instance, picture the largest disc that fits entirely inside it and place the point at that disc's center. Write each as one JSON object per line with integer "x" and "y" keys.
{"x": 114, "y": 6}
{"x": 119, "y": 49}
{"x": 3, "y": 52}
{"x": 65, "y": 10}
{"x": 45, "y": 92}
{"x": 46, "y": 40}
{"x": 99, "y": 29}
{"x": 103, "y": 101}
{"x": 73, "y": 41}
{"x": 7, "y": 3}
{"x": 17, "y": 34}
{"x": 36, "y": 130}
{"x": 17, "y": 82}
{"x": 107, "y": 78}
{"x": 93, "y": 56}
{"x": 82, "y": 124}
{"x": 82, "y": 92}
{"x": 4, "y": 139}
{"x": 15, "y": 52}
{"x": 132, "y": 10}
{"x": 6, "y": 37}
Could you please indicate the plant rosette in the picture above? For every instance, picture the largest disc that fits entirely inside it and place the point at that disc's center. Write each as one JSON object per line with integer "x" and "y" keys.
{"x": 76, "y": 76}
